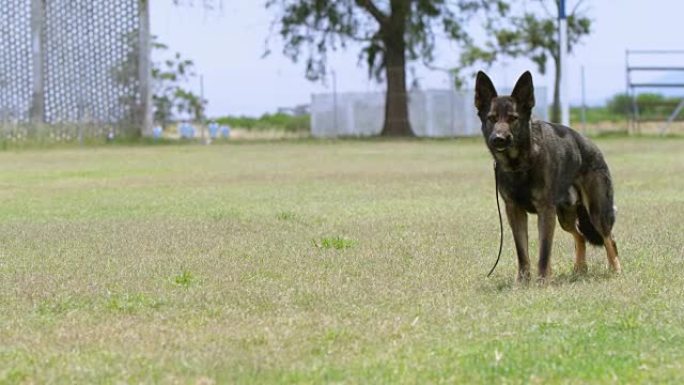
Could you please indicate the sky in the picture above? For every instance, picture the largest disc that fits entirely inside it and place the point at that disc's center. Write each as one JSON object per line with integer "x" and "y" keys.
{"x": 227, "y": 47}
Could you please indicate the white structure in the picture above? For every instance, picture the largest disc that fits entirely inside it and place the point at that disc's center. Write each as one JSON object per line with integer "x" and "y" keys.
{"x": 69, "y": 62}
{"x": 433, "y": 113}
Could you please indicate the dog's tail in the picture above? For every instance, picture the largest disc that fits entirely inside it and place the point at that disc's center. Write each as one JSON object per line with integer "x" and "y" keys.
{"x": 587, "y": 229}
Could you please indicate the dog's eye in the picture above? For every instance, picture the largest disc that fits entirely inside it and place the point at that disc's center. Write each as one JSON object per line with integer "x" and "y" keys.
{"x": 492, "y": 118}
{"x": 512, "y": 118}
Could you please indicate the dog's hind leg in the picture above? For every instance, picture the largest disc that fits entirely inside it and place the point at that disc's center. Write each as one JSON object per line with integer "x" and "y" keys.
{"x": 517, "y": 219}
{"x": 597, "y": 193}
{"x": 567, "y": 217}
{"x": 612, "y": 253}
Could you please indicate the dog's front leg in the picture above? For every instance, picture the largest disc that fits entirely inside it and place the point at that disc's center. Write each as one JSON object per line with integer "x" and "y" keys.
{"x": 546, "y": 223}
{"x": 517, "y": 219}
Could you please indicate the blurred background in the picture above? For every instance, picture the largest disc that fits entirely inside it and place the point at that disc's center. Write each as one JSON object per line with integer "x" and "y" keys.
{"x": 90, "y": 71}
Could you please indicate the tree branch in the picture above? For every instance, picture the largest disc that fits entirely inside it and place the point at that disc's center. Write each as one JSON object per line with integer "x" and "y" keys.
{"x": 355, "y": 38}
{"x": 546, "y": 10}
{"x": 377, "y": 14}
{"x": 576, "y": 7}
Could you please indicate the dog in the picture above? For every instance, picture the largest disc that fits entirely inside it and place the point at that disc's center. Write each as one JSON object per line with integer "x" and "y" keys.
{"x": 546, "y": 169}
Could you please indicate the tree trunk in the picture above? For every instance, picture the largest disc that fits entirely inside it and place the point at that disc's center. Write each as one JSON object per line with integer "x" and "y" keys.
{"x": 555, "y": 107}
{"x": 396, "y": 100}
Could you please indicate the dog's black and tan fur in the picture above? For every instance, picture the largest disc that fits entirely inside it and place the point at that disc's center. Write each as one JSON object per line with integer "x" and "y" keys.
{"x": 549, "y": 170}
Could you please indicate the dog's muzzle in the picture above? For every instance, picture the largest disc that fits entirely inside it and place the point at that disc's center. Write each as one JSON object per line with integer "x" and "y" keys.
{"x": 500, "y": 142}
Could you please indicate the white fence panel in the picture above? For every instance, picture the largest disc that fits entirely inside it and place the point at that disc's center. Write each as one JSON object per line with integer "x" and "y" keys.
{"x": 433, "y": 113}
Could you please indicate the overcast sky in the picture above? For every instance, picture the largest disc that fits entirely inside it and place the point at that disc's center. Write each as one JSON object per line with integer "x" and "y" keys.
{"x": 227, "y": 47}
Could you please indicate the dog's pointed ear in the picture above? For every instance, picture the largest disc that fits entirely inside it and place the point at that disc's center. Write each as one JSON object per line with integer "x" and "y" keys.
{"x": 523, "y": 92}
{"x": 484, "y": 92}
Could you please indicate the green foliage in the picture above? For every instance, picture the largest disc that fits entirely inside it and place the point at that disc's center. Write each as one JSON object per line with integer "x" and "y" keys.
{"x": 595, "y": 115}
{"x": 651, "y": 106}
{"x": 390, "y": 34}
{"x": 312, "y": 28}
{"x": 278, "y": 122}
{"x": 532, "y": 35}
{"x": 168, "y": 94}
{"x": 620, "y": 104}
{"x": 618, "y": 108}
{"x": 651, "y": 99}
{"x": 190, "y": 103}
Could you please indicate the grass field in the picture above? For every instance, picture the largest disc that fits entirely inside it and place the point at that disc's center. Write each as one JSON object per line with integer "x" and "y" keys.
{"x": 323, "y": 262}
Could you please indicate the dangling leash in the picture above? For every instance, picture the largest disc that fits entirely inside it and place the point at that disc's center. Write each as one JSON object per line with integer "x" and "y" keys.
{"x": 498, "y": 208}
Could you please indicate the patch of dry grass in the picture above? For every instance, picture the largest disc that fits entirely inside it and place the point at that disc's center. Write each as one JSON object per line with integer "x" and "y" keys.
{"x": 193, "y": 264}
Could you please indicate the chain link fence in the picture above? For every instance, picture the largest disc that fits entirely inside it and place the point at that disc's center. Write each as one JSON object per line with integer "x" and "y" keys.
{"x": 74, "y": 69}
{"x": 433, "y": 113}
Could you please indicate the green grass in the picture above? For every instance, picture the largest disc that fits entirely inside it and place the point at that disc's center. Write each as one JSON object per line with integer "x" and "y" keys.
{"x": 201, "y": 265}
{"x": 278, "y": 121}
{"x": 337, "y": 243}
{"x": 596, "y": 115}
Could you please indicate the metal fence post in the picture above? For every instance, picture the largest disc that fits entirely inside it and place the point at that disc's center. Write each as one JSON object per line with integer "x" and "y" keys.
{"x": 145, "y": 69}
{"x": 37, "y": 112}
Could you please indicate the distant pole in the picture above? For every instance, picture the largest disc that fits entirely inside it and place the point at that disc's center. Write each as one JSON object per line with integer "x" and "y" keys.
{"x": 631, "y": 121}
{"x": 584, "y": 104}
{"x": 563, "y": 48}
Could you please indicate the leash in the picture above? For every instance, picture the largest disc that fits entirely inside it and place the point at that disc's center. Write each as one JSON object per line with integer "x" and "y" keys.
{"x": 498, "y": 208}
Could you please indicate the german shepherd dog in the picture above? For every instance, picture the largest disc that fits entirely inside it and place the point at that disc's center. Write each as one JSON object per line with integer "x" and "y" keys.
{"x": 549, "y": 170}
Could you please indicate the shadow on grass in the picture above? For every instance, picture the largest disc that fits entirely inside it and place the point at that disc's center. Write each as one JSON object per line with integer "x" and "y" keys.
{"x": 508, "y": 283}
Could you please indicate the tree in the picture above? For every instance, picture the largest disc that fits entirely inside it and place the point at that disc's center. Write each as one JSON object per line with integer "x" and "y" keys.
{"x": 190, "y": 103}
{"x": 390, "y": 32}
{"x": 167, "y": 93}
{"x": 535, "y": 37}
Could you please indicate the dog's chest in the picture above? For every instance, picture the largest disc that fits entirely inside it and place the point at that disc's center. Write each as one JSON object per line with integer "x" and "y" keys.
{"x": 520, "y": 189}
{"x": 508, "y": 160}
